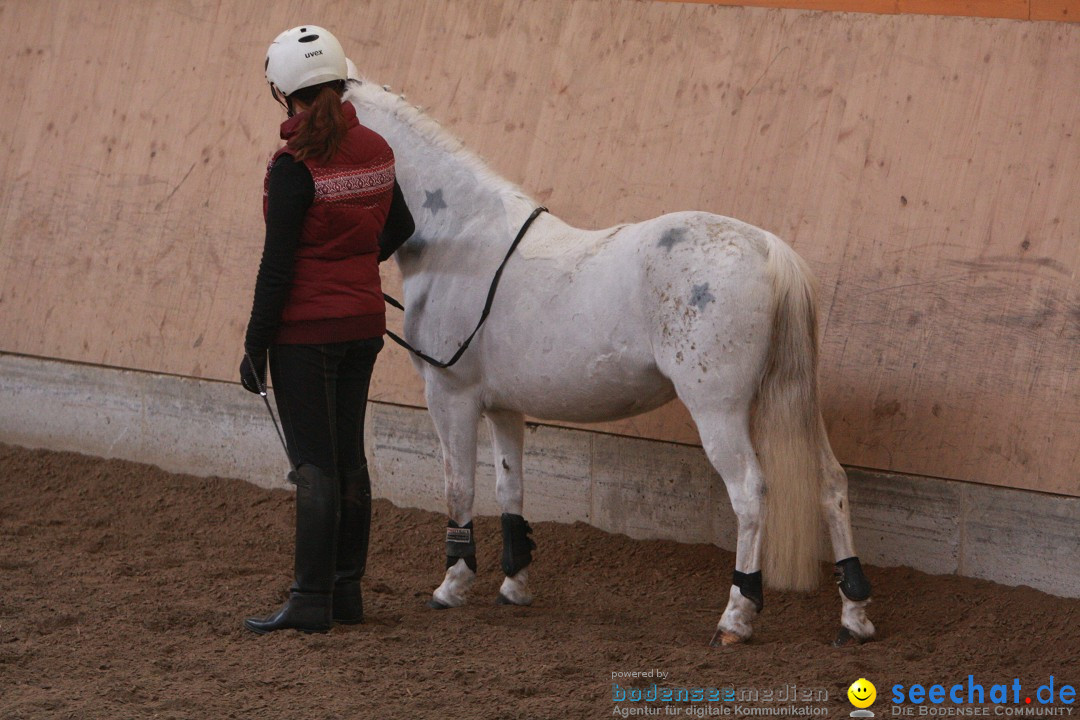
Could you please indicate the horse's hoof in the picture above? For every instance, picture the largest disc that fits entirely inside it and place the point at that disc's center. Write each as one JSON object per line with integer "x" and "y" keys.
{"x": 846, "y": 638}
{"x": 436, "y": 605}
{"x": 503, "y": 600}
{"x": 725, "y": 638}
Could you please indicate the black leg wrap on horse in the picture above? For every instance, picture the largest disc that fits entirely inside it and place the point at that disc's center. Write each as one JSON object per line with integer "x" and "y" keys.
{"x": 460, "y": 545}
{"x": 749, "y": 585}
{"x": 517, "y": 545}
{"x": 849, "y": 576}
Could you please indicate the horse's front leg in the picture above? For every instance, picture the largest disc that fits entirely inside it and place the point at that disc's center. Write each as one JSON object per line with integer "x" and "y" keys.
{"x": 508, "y": 440}
{"x": 456, "y": 418}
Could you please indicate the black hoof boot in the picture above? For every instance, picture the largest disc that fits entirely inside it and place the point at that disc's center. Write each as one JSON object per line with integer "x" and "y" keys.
{"x": 307, "y": 612}
{"x": 517, "y": 545}
{"x": 348, "y": 605}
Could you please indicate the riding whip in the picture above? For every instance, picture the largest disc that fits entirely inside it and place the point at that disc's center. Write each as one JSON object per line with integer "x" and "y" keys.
{"x": 292, "y": 477}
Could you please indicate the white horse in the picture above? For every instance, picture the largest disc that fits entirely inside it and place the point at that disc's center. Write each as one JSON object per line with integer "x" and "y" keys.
{"x": 591, "y": 326}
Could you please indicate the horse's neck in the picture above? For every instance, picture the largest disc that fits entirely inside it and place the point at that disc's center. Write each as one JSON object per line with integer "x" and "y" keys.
{"x": 453, "y": 197}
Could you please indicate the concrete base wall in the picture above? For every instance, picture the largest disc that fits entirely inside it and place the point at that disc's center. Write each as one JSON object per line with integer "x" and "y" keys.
{"x": 642, "y": 488}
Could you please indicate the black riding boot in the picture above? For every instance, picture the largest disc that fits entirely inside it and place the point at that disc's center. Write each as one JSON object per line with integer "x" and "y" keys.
{"x": 354, "y": 531}
{"x": 309, "y": 605}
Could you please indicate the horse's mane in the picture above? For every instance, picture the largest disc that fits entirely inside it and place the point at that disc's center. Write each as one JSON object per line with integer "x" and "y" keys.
{"x": 431, "y": 131}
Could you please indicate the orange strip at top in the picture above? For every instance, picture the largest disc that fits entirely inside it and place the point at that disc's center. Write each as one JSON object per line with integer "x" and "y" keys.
{"x": 1063, "y": 10}
{"x": 1060, "y": 10}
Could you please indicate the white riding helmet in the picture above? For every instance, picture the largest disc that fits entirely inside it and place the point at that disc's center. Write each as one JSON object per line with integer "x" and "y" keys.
{"x": 304, "y": 56}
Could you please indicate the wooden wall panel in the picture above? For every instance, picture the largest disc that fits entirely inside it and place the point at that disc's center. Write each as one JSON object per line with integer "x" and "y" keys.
{"x": 925, "y": 166}
{"x": 866, "y": 6}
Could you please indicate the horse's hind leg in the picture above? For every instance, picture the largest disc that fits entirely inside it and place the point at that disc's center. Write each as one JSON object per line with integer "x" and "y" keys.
{"x": 725, "y": 434}
{"x": 508, "y": 439}
{"x": 854, "y": 587}
{"x": 456, "y": 418}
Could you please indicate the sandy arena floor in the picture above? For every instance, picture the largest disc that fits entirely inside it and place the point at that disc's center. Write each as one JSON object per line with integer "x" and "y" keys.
{"x": 124, "y": 587}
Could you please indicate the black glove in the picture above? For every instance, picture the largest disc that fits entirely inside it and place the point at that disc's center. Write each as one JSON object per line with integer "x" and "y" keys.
{"x": 253, "y": 371}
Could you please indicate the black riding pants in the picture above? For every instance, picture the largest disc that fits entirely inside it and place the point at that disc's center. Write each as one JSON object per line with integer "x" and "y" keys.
{"x": 321, "y": 393}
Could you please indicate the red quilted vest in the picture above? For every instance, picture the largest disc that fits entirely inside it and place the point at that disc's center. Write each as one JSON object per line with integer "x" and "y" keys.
{"x": 336, "y": 294}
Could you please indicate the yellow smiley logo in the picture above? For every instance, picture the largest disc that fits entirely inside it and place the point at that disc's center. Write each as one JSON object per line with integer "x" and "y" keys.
{"x": 862, "y": 693}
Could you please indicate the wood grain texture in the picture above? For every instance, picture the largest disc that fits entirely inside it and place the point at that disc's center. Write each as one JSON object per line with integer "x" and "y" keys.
{"x": 864, "y": 6}
{"x": 925, "y": 166}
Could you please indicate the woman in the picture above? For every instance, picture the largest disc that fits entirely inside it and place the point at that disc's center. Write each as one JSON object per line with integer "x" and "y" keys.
{"x": 333, "y": 211}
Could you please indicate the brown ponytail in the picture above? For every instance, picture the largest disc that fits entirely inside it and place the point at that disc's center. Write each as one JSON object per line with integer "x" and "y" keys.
{"x": 320, "y": 136}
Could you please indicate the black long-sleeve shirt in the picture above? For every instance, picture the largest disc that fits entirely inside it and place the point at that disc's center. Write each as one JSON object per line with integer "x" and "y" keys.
{"x": 290, "y": 192}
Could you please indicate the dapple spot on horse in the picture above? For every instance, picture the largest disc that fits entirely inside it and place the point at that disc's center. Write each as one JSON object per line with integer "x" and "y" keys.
{"x": 434, "y": 201}
{"x": 590, "y": 326}
{"x": 700, "y": 296}
{"x": 672, "y": 237}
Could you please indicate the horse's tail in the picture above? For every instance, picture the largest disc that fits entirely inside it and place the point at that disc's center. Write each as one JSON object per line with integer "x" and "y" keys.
{"x": 787, "y": 430}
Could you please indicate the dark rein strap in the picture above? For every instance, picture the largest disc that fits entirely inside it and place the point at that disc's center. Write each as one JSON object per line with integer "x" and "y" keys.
{"x": 487, "y": 304}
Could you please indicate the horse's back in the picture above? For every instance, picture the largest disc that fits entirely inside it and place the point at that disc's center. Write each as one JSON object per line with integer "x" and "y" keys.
{"x": 594, "y": 324}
